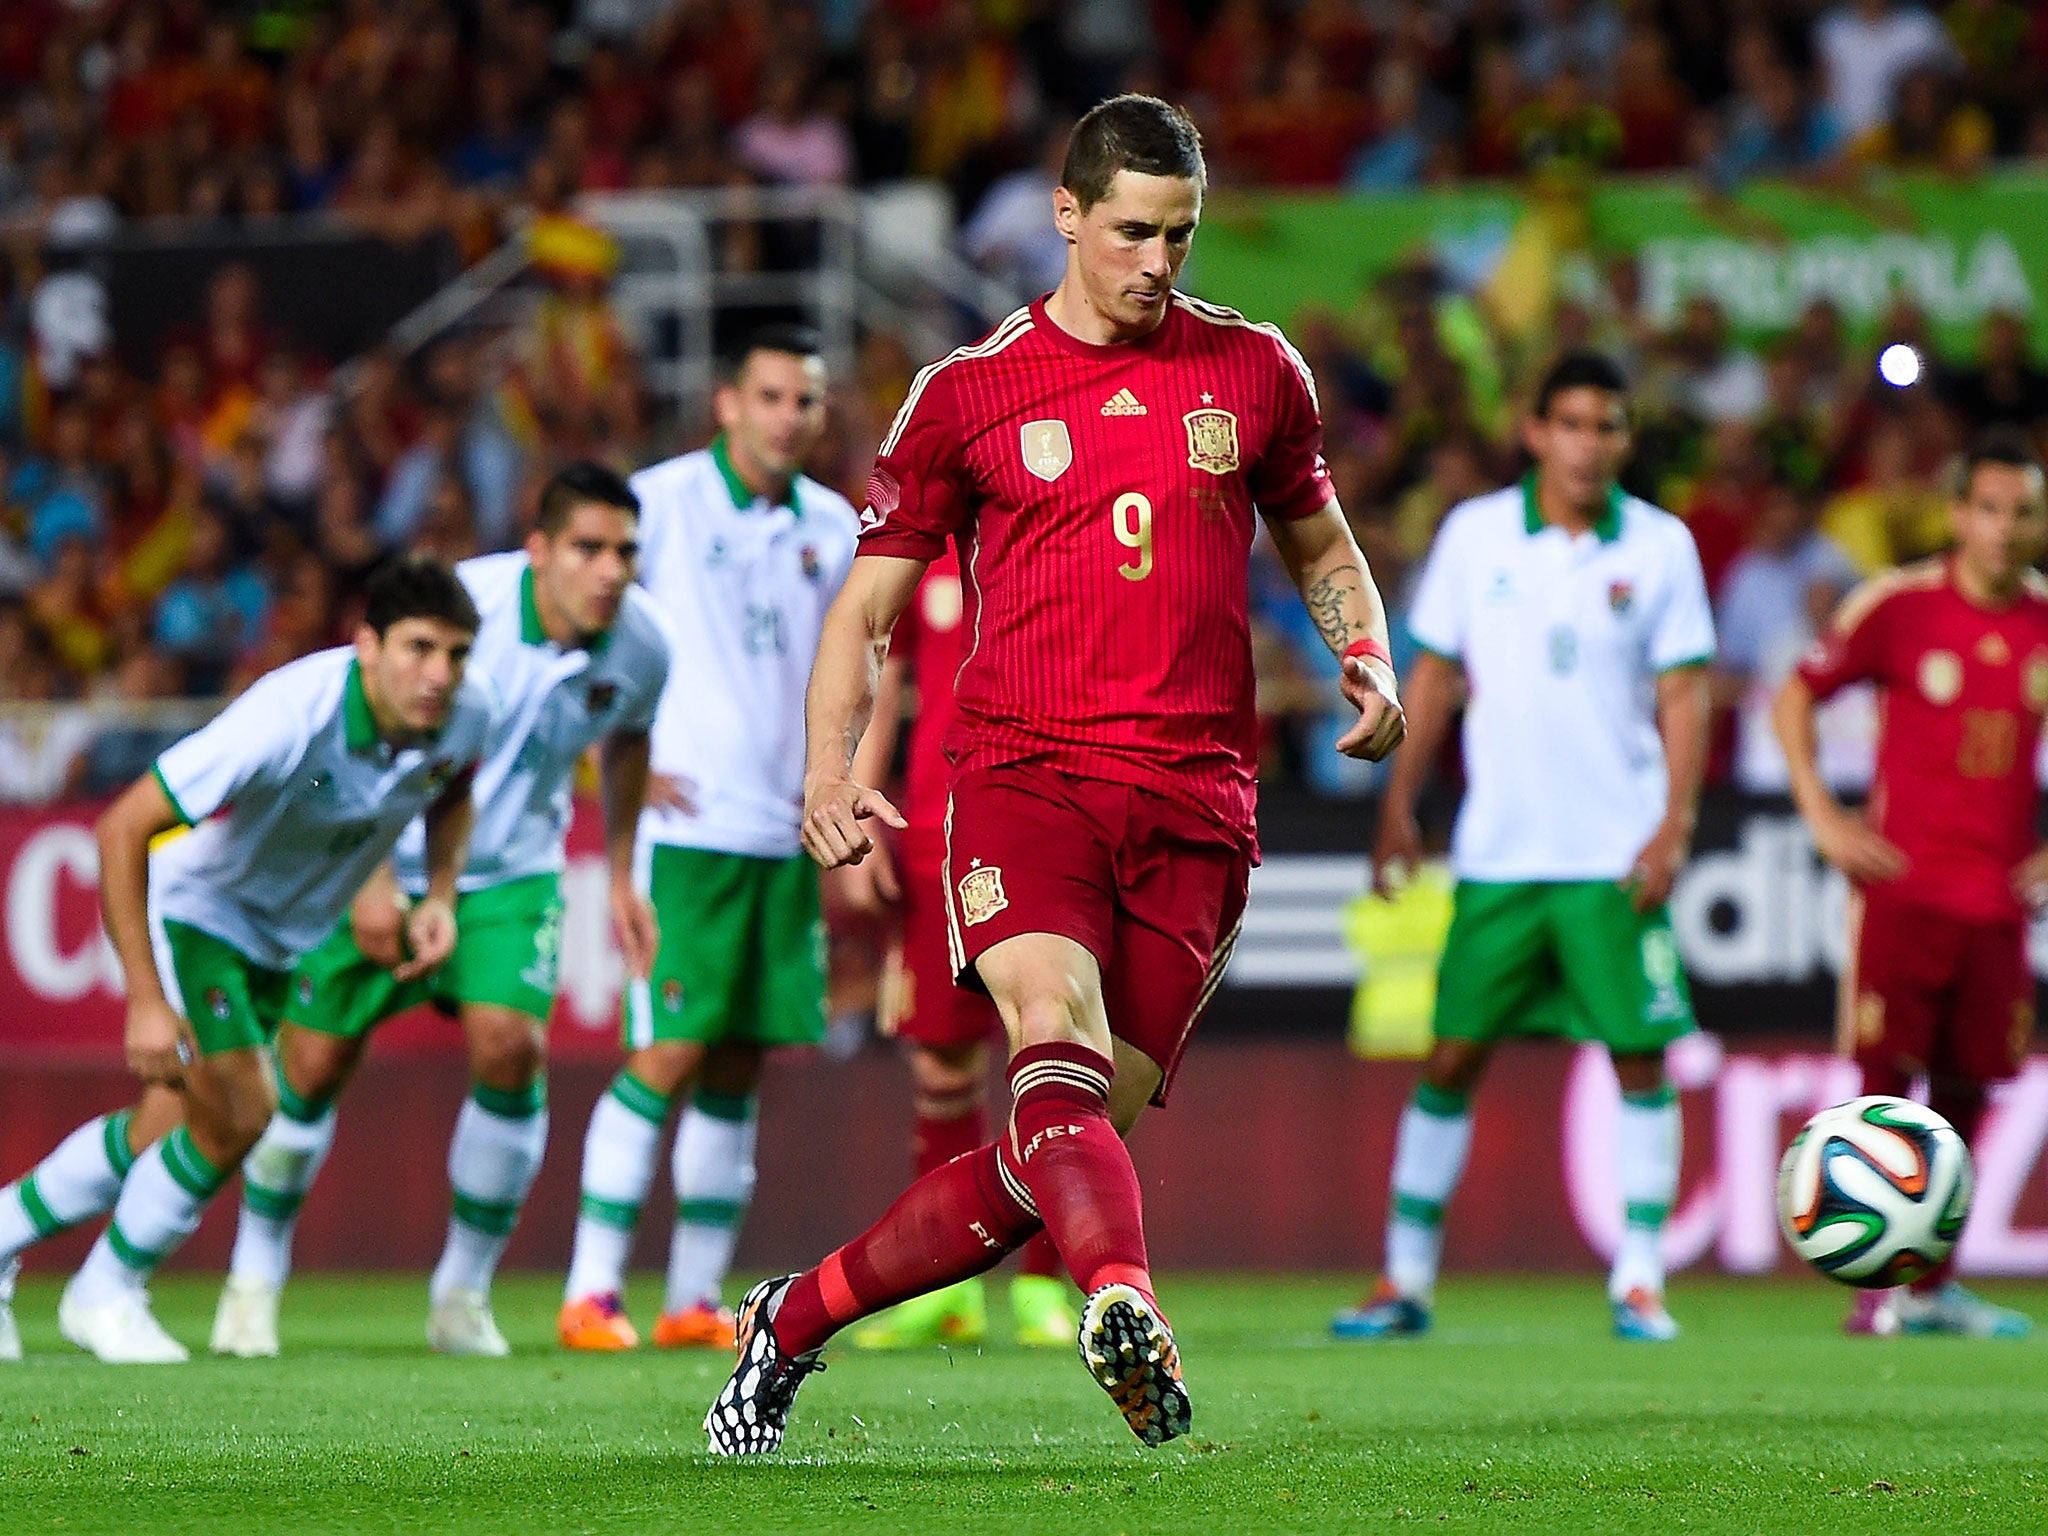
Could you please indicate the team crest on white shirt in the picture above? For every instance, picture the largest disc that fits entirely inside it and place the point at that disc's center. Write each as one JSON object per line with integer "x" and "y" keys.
{"x": 1212, "y": 440}
{"x": 981, "y": 894}
{"x": 1048, "y": 450}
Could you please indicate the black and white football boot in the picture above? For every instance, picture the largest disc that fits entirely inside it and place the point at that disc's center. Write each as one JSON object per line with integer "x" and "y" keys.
{"x": 748, "y": 1417}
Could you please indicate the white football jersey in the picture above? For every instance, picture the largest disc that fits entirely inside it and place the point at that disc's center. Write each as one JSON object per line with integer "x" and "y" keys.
{"x": 743, "y": 583}
{"x": 294, "y": 799}
{"x": 552, "y": 704}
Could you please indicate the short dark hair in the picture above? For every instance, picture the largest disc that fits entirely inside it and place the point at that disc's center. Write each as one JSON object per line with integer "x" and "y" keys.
{"x": 1580, "y": 368}
{"x": 578, "y": 484}
{"x": 1131, "y": 133}
{"x": 782, "y": 336}
{"x": 418, "y": 587}
{"x": 2004, "y": 445}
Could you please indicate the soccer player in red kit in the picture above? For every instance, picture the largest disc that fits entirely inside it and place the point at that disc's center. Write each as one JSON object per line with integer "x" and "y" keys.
{"x": 946, "y": 1030}
{"x": 1943, "y": 862}
{"x": 1099, "y": 460}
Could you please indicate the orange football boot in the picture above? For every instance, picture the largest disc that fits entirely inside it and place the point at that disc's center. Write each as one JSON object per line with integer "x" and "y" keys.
{"x": 698, "y": 1327}
{"x": 596, "y": 1323}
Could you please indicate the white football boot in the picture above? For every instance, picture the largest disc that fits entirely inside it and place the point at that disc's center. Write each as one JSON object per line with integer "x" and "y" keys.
{"x": 245, "y": 1322}
{"x": 461, "y": 1324}
{"x": 122, "y": 1331}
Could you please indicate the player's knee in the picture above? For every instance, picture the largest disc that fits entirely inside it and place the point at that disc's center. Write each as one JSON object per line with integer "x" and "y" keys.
{"x": 1639, "y": 1072}
{"x": 1455, "y": 1066}
{"x": 229, "y": 1115}
{"x": 947, "y": 1076}
{"x": 507, "y": 1054}
{"x": 315, "y": 1066}
{"x": 666, "y": 1066}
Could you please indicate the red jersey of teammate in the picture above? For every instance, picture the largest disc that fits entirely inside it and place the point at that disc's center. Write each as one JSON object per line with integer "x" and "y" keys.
{"x": 1963, "y": 690}
{"x": 932, "y": 640}
{"x": 1103, "y": 499}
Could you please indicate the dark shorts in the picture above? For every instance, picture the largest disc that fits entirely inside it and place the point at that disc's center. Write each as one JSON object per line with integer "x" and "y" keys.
{"x": 921, "y": 1003}
{"x": 1930, "y": 993}
{"x": 1143, "y": 883}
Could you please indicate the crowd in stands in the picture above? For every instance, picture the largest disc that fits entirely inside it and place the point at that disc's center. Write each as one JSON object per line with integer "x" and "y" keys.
{"x": 404, "y": 116}
{"x": 174, "y": 526}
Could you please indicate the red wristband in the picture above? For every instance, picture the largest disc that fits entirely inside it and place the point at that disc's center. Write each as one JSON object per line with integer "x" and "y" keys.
{"x": 1372, "y": 648}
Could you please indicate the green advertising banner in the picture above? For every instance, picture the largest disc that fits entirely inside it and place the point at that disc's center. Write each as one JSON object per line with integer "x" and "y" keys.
{"x": 1959, "y": 250}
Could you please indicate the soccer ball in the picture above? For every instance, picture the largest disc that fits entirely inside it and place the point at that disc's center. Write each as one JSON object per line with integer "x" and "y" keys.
{"x": 1875, "y": 1192}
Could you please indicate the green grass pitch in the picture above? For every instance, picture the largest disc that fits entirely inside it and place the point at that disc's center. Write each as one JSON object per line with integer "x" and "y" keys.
{"x": 1521, "y": 1415}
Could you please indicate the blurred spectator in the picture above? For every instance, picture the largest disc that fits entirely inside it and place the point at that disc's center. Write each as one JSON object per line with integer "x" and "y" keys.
{"x": 1718, "y": 380}
{"x": 1775, "y": 127}
{"x": 1777, "y": 596}
{"x": 2005, "y": 385}
{"x": 1930, "y": 128}
{"x": 1403, "y": 135}
{"x": 1895, "y": 515}
{"x": 789, "y": 139}
{"x": 1583, "y": 36}
{"x": 1865, "y": 49}
{"x": 1011, "y": 233}
{"x": 213, "y": 610}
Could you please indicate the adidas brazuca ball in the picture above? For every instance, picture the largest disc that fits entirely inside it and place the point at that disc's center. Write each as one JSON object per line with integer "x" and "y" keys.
{"x": 1875, "y": 1192}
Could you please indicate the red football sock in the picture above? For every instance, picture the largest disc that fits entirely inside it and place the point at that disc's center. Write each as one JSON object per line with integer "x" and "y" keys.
{"x": 1039, "y": 1257}
{"x": 954, "y": 1223}
{"x": 1961, "y": 1103}
{"x": 1076, "y": 1170}
{"x": 936, "y": 1139}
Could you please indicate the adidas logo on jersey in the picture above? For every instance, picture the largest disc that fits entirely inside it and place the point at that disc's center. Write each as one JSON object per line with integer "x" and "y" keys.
{"x": 1123, "y": 403}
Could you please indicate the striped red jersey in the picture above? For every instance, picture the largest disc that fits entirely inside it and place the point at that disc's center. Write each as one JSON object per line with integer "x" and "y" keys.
{"x": 1962, "y": 691}
{"x": 931, "y": 637}
{"x": 1102, "y": 499}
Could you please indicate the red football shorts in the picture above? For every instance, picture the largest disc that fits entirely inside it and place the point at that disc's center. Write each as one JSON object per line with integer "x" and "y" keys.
{"x": 1146, "y": 885}
{"x": 920, "y": 1001}
{"x": 1930, "y": 993}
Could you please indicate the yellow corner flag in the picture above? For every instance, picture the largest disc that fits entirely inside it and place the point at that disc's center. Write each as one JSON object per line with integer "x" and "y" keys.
{"x": 1398, "y": 943}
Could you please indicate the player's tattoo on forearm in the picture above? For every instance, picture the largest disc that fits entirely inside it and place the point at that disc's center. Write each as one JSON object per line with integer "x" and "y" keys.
{"x": 1331, "y": 599}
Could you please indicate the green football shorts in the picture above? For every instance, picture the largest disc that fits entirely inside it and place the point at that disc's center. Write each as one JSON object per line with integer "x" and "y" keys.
{"x": 1570, "y": 958}
{"x": 508, "y": 941}
{"x": 742, "y": 955}
{"x": 233, "y": 1003}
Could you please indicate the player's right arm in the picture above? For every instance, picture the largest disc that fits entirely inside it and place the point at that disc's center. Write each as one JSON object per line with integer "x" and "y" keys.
{"x": 257, "y": 741}
{"x": 1438, "y": 622}
{"x": 155, "y": 1035}
{"x": 915, "y": 502}
{"x": 871, "y": 886}
{"x": 1430, "y": 698}
{"x": 1852, "y": 651}
{"x": 852, "y": 647}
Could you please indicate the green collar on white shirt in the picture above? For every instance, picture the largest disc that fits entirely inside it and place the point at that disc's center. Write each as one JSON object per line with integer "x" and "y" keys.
{"x": 533, "y": 632}
{"x": 1607, "y": 530}
{"x": 742, "y": 497}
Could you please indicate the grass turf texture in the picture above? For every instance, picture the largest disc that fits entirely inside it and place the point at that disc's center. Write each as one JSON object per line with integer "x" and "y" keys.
{"x": 1521, "y": 1415}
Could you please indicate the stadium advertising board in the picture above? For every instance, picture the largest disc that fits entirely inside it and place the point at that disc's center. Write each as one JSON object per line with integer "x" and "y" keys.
{"x": 1956, "y": 249}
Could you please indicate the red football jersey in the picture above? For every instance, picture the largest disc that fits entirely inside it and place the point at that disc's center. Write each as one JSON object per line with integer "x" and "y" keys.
{"x": 1961, "y": 691}
{"x": 932, "y": 640}
{"x": 1103, "y": 500}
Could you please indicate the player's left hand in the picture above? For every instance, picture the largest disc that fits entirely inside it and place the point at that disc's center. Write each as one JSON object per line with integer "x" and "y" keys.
{"x": 833, "y": 812}
{"x": 1369, "y": 685}
{"x": 634, "y": 925}
{"x": 2030, "y": 880}
{"x": 1656, "y": 868}
{"x": 430, "y": 933}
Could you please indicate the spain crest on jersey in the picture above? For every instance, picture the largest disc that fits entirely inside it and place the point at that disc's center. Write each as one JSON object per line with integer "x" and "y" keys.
{"x": 981, "y": 894}
{"x": 1212, "y": 440}
{"x": 1048, "y": 450}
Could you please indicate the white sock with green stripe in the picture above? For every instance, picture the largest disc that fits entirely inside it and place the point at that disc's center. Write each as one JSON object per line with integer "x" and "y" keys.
{"x": 618, "y": 1165}
{"x": 276, "y": 1174}
{"x": 714, "y": 1177}
{"x": 161, "y": 1201}
{"x": 81, "y": 1179}
{"x": 1429, "y": 1159}
{"x": 500, "y": 1138}
{"x": 1648, "y": 1137}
